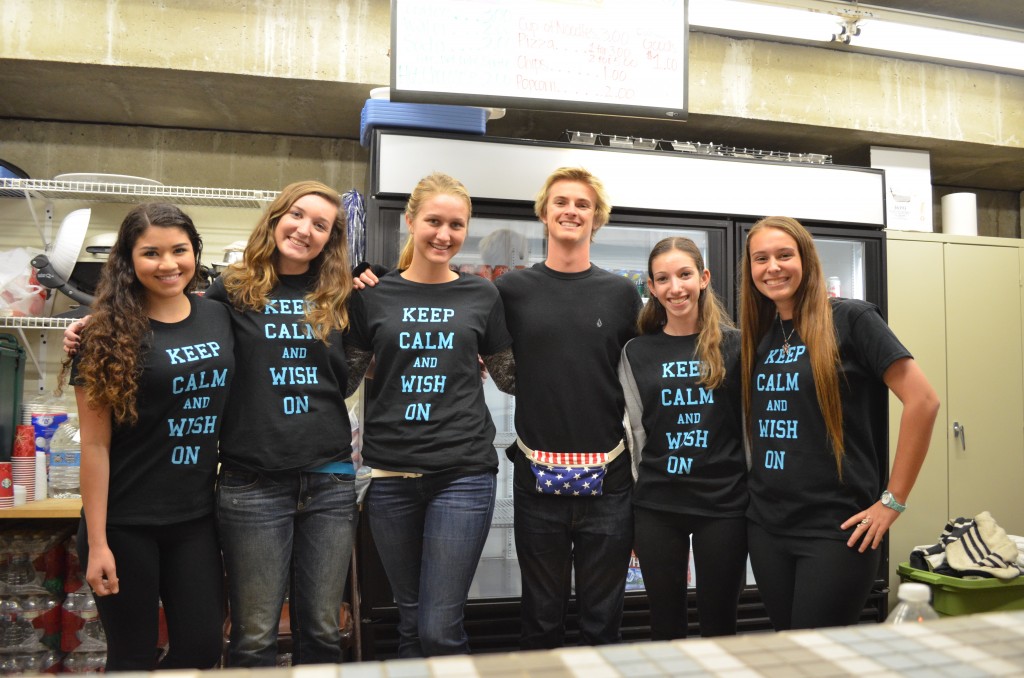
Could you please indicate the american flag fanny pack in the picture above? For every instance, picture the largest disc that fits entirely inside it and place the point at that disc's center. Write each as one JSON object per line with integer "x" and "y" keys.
{"x": 570, "y": 474}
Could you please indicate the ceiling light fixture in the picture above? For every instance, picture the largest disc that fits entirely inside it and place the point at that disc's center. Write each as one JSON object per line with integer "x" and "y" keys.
{"x": 940, "y": 44}
{"x": 865, "y": 27}
{"x": 763, "y": 19}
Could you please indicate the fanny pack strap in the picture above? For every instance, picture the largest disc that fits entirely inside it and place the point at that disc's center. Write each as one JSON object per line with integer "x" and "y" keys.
{"x": 532, "y": 454}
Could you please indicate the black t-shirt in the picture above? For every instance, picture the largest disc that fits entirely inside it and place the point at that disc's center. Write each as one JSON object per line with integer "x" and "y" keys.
{"x": 427, "y": 411}
{"x": 689, "y": 457}
{"x": 794, "y": 485}
{"x": 568, "y": 330}
{"x": 287, "y": 411}
{"x": 162, "y": 468}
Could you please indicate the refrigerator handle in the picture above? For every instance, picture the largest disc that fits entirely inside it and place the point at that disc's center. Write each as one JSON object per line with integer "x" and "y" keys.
{"x": 961, "y": 433}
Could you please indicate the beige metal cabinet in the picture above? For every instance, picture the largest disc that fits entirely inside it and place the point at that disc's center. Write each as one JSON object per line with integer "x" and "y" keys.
{"x": 957, "y": 304}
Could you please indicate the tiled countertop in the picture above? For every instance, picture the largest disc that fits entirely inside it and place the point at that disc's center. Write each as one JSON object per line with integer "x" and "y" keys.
{"x": 980, "y": 645}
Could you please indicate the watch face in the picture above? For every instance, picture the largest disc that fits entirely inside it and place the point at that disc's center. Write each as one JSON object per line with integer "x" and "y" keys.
{"x": 889, "y": 501}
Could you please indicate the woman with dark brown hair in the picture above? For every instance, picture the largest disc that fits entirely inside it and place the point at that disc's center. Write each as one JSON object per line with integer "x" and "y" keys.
{"x": 149, "y": 445}
{"x": 681, "y": 382}
{"x": 816, "y": 375}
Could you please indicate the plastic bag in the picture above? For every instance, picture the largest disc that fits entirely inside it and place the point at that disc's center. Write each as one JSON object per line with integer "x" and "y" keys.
{"x": 20, "y": 291}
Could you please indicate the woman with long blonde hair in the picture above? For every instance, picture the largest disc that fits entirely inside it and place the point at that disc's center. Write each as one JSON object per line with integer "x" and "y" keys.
{"x": 429, "y": 436}
{"x": 816, "y": 373}
{"x": 681, "y": 382}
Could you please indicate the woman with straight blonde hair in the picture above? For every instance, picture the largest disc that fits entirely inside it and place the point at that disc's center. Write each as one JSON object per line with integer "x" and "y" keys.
{"x": 816, "y": 373}
{"x": 428, "y": 435}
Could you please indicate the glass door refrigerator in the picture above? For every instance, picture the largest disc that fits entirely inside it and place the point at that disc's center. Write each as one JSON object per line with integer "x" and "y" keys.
{"x": 714, "y": 204}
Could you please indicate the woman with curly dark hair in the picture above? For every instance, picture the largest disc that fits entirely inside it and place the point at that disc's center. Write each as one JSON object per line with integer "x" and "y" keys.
{"x": 153, "y": 353}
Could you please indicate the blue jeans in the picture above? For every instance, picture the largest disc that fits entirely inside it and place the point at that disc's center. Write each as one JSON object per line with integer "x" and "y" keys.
{"x": 279, "y": 526}
{"x": 430, "y": 532}
{"x": 555, "y": 534}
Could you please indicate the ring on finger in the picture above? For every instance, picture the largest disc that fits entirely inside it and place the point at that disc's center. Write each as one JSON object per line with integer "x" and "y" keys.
{"x": 865, "y": 521}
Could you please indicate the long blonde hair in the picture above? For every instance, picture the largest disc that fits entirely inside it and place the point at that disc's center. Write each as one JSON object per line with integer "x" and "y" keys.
{"x": 710, "y": 314}
{"x": 812, "y": 318}
{"x": 437, "y": 183}
{"x": 249, "y": 282}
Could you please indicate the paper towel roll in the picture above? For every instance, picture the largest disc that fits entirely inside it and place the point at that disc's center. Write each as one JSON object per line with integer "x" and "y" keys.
{"x": 960, "y": 214}
{"x": 40, "y": 475}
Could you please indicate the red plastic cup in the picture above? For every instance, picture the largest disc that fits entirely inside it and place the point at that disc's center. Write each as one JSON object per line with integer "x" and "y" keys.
{"x": 24, "y": 441}
{"x": 6, "y": 484}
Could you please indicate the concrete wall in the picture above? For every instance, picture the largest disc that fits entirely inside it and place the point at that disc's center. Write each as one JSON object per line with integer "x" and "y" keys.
{"x": 333, "y": 40}
{"x": 759, "y": 80}
{"x": 298, "y": 71}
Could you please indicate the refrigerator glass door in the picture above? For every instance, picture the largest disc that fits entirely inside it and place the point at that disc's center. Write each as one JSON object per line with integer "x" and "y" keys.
{"x": 842, "y": 262}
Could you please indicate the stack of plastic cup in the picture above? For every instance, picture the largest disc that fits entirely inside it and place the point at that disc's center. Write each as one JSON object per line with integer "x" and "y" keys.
{"x": 23, "y": 460}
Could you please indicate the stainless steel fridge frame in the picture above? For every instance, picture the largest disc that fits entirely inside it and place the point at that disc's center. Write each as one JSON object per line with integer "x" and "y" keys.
{"x": 648, "y": 189}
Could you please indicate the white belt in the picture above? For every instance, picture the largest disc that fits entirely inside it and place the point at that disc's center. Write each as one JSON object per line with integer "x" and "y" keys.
{"x": 381, "y": 473}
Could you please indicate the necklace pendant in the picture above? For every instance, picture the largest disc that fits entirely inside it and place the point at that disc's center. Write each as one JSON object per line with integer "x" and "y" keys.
{"x": 785, "y": 348}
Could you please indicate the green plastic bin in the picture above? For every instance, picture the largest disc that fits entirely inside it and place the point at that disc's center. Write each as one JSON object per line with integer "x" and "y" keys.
{"x": 953, "y": 596}
{"x": 12, "y": 383}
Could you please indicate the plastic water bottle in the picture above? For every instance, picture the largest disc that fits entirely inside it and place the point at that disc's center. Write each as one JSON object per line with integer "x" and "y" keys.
{"x": 65, "y": 460}
{"x": 91, "y": 635}
{"x": 71, "y": 621}
{"x": 913, "y": 606}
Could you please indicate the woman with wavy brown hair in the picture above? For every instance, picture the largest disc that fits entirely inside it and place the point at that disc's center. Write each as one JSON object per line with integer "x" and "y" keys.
{"x": 286, "y": 497}
{"x": 816, "y": 375}
{"x": 149, "y": 445}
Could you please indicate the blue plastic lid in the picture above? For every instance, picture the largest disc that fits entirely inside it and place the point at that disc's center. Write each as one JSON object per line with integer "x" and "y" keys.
{"x": 11, "y": 171}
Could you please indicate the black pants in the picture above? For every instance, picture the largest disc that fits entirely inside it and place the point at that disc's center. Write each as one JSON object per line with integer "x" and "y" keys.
{"x": 809, "y": 582}
{"x": 179, "y": 564}
{"x": 720, "y": 560}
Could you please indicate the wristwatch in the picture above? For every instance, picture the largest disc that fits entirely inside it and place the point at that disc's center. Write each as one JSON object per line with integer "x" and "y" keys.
{"x": 889, "y": 501}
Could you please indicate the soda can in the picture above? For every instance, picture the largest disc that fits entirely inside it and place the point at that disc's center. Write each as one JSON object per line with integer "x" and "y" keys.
{"x": 834, "y": 289}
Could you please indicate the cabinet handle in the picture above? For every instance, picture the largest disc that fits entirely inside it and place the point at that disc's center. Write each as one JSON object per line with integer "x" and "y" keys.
{"x": 961, "y": 433}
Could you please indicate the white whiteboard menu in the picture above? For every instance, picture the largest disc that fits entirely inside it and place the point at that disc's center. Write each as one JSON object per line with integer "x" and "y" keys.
{"x": 616, "y": 57}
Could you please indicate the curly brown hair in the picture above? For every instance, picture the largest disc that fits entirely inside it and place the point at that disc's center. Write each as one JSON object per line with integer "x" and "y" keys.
{"x": 248, "y": 283}
{"x": 113, "y": 342}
